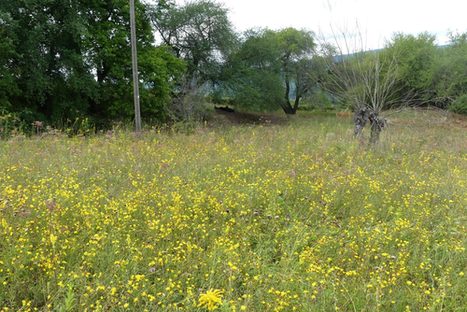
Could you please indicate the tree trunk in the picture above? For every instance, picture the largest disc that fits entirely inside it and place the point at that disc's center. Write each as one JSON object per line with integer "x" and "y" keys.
{"x": 287, "y": 106}
{"x": 287, "y": 90}
{"x": 296, "y": 103}
{"x": 377, "y": 125}
{"x": 360, "y": 119}
{"x": 375, "y": 132}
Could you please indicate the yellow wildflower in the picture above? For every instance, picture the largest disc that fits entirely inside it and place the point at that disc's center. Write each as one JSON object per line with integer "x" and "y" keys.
{"x": 210, "y": 300}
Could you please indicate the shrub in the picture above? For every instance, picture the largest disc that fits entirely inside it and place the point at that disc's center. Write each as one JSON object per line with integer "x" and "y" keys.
{"x": 8, "y": 124}
{"x": 81, "y": 126}
{"x": 12, "y": 123}
{"x": 319, "y": 100}
{"x": 459, "y": 106}
{"x": 191, "y": 107}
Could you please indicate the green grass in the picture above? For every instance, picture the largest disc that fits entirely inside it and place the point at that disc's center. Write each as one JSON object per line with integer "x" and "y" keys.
{"x": 297, "y": 216}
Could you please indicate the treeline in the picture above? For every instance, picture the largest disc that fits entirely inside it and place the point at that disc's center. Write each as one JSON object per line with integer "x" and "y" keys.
{"x": 68, "y": 62}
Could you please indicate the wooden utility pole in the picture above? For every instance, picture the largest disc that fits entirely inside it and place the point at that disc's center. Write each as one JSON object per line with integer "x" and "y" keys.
{"x": 134, "y": 58}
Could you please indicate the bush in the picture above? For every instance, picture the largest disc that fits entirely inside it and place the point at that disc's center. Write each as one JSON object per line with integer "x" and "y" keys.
{"x": 459, "y": 106}
{"x": 191, "y": 107}
{"x": 8, "y": 124}
{"x": 13, "y": 123}
{"x": 81, "y": 126}
{"x": 319, "y": 100}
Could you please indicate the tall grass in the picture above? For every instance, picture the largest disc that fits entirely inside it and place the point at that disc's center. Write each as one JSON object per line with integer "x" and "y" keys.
{"x": 248, "y": 218}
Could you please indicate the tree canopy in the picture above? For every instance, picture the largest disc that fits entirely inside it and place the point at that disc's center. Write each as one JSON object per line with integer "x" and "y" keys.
{"x": 74, "y": 61}
{"x": 198, "y": 32}
{"x": 271, "y": 65}
{"x": 63, "y": 61}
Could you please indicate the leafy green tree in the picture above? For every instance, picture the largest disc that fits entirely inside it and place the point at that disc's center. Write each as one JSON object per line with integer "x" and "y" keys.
{"x": 450, "y": 71}
{"x": 71, "y": 59}
{"x": 251, "y": 77}
{"x": 47, "y": 62}
{"x": 8, "y": 86}
{"x": 415, "y": 56}
{"x": 109, "y": 56}
{"x": 270, "y": 68}
{"x": 295, "y": 50}
{"x": 199, "y": 32}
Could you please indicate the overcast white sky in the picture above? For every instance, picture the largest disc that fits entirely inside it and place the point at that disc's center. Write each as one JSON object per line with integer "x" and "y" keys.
{"x": 379, "y": 19}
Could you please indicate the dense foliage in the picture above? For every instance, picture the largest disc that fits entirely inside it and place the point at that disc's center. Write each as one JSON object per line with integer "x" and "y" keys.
{"x": 200, "y": 34}
{"x": 68, "y": 62}
{"x": 459, "y": 105}
{"x": 450, "y": 71}
{"x": 63, "y": 60}
{"x": 268, "y": 66}
{"x": 431, "y": 75}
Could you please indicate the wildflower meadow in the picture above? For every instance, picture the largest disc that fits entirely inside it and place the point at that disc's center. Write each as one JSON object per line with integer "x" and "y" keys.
{"x": 297, "y": 216}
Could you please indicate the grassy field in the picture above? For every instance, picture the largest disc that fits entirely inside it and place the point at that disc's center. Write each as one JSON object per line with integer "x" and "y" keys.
{"x": 290, "y": 217}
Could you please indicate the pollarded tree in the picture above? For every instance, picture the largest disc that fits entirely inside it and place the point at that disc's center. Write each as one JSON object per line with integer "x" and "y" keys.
{"x": 367, "y": 81}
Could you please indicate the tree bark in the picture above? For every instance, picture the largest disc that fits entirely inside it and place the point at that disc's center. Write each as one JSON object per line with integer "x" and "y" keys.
{"x": 360, "y": 120}
{"x": 287, "y": 106}
{"x": 296, "y": 103}
{"x": 377, "y": 125}
{"x": 287, "y": 90}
